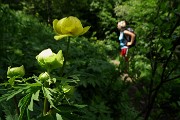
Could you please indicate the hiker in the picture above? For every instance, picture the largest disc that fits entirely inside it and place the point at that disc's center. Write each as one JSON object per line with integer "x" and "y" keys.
{"x": 124, "y": 35}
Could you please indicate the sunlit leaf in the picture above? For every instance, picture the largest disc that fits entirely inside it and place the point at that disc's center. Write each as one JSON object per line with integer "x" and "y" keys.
{"x": 35, "y": 96}
{"x": 23, "y": 103}
{"x": 47, "y": 93}
{"x": 15, "y": 92}
{"x": 58, "y": 117}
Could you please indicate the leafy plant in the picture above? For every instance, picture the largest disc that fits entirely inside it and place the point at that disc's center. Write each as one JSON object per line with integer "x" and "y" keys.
{"x": 48, "y": 88}
{"x": 158, "y": 64}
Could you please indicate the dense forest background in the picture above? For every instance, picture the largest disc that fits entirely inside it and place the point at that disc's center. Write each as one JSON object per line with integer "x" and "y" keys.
{"x": 92, "y": 86}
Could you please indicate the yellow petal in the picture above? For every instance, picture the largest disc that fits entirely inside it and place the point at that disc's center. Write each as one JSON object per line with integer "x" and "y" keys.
{"x": 85, "y": 29}
{"x": 77, "y": 31}
{"x": 67, "y": 26}
{"x": 75, "y": 21}
{"x": 55, "y": 24}
{"x": 59, "y": 25}
{"x": 58, "y": 37}
{"x": 79, "y": 28}
{"x": 76, "y": 26}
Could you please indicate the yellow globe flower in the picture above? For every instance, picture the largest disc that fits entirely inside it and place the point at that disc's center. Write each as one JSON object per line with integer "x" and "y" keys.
{"x": 68, "y": 26}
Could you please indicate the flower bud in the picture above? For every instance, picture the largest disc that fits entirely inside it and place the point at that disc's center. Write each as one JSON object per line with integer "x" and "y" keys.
{"x": 44, "y": 77}
{"x": 15, "y": 72}
{"x": 50, "y": 60}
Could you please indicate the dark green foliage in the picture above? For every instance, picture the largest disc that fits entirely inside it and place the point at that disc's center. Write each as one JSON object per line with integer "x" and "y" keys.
{"x": 9, "y": 111}
{"x": 22, "y": 37}
{"x": 87, "y": 60}
{"x": 157, "y": 28}
{"x": 154, "y": 67}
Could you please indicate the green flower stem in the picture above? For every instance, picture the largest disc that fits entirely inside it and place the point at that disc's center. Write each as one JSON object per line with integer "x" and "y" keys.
{"x": 16, "y": 105}
{"x": 46, "y": 103}
{"x": 46, "y": 106}
{"x": 65, "y": 56}
{"x": 28, "y": 114}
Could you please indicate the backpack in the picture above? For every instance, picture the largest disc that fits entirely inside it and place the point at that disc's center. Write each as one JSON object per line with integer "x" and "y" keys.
{"x": 128, "y": 38}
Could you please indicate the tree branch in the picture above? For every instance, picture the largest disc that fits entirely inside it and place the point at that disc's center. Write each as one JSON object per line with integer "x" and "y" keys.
{"x": 172, "y": 78}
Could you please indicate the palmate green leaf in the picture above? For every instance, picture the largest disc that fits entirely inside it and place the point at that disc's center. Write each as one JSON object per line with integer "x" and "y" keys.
{"x": 71, "y": 79}
{"x": 12, "y": 93}
{"x": 4, "y": 97}
{"x": 23, "y": 103}
{"x": 47, "y": 117}
{"x": 34, "y": 87}
{"x": 58, "y": 117}
{"x": 71, "y": 112}
{"x": 35, "y": 96}
{"x": 47, "y": 93}
{"x": 10, "y": 114}
{"x": 80, "y": 106}
{"x": 35, "y": 84}
{"x": 17, "y": 92}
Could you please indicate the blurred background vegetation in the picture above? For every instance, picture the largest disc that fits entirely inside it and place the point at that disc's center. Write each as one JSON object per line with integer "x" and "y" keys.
{"x": 153, "y": 94}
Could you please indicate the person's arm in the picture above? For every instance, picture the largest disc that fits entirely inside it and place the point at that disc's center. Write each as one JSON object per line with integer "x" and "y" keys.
{"x": 132, "y": 36}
